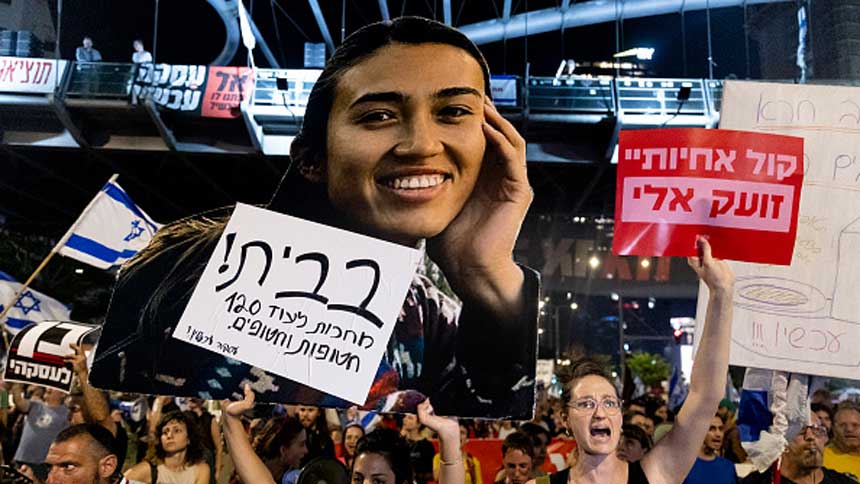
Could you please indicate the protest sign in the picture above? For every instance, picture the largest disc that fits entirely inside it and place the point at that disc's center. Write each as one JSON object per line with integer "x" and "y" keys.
{"x": 173, "y": 87}
{"x": 804, "y": 318}
{"x": 226, "y": 89}
{"x": 308, "y": 302}
{"x": 36, "y": 354}
{"x": 740, "y": 189}
{"x": 27, "y": 75}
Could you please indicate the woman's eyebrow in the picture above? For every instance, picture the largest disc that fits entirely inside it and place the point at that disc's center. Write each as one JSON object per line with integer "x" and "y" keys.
{"x": 457, "y": 91}
{"x": 386, "y": 96}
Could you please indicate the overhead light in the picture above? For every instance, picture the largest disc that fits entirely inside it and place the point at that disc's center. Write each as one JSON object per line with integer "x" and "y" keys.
{"x": 615, "y": 296}
{"x": 540, "y": 330}
{"x": 594, "y": 262}
{"x": 79, "y": 271}
{"x": 646, "y": 263}
{"x": 574, "y": 306}
{"x": 641, "y": 53}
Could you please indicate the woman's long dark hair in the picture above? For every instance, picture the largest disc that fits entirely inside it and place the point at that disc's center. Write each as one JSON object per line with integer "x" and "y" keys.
{"x": 393, "y": 447}
{"x": 194, "y": 451}
{"x": 276, "y": 433}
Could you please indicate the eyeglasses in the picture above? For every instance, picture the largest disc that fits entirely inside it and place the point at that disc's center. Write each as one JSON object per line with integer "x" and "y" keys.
{"x": 819, "y": 431}
{"x": 612, "y": 406}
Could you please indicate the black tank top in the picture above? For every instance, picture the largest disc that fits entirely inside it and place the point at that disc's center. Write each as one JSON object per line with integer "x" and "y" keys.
{"x": 635, "y": 475}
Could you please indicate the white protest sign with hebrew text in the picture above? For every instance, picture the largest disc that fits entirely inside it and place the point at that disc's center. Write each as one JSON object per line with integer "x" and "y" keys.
{"x": 804, "y": 318}
{"x": 309, "y": 302}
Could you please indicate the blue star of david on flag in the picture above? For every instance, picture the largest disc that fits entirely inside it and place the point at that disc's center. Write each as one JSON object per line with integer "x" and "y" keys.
{"x": 136, "y": 230}
{"x": 33, "y": 306}
{"x": 111, "y": 231}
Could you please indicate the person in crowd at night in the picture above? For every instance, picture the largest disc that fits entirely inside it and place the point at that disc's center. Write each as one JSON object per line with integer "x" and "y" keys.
{"x": 210, "y": 433}
{"x": 44, "y": 420}
{"x": 93, "y": 405}
{"x": 351, "y": 435}
{"x": 594, "y": 406}
{"x": 517, "y": 459}
{"x": 802, "y": 461}
{"x": 824, "y": 412}
{"x": 635, "y": 443}
{"x": 381, "y": 456}
{"x": 318, "y": 439}
{"x": 643, "y": 421}
{"x": 421, "y": 449}
{"x": 540, "y": 440}
{"x": 843, "y": 453}
{"x": 710, "y": 466}
{"x": 86, "y": 52}
{"x": 140, "y": 55}
{"x": 732, "y": 448}
{"x": 471, "y": 465}
{"x": 176, "y": 456}
{"x": 81, "y": 454}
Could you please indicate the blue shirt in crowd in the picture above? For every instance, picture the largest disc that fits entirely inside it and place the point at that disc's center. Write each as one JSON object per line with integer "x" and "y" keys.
{"x": 717, "y": 471}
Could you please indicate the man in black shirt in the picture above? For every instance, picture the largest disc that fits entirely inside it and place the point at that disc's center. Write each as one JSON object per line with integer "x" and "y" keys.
{"x": 802, "y": 461}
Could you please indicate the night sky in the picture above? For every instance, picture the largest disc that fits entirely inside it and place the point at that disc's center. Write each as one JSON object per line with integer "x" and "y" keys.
{"x": 190, "y": 32}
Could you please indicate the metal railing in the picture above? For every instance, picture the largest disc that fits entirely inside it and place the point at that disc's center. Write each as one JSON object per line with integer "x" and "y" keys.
{"x": 100, "y": 80}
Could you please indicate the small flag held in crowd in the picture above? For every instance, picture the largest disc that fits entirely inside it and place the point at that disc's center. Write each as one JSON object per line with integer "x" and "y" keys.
{"x": 31, "y": 307}
{"x": 110, "y": 231}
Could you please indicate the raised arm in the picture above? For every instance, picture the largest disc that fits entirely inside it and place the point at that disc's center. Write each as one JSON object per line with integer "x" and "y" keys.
{"x": 673, "y": 457}
{"x": 451, "y": 470}
{"x": 97, "y": 408}
{"x": 248, "y": 464}
{"x": 21, "y": 404}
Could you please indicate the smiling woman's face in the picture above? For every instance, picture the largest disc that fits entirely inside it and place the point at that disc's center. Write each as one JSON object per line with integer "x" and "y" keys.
{"x": 405, "y": 140}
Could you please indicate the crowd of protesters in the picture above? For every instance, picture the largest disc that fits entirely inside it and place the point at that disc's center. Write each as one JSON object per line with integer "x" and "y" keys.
{"x": 181, "y": 440}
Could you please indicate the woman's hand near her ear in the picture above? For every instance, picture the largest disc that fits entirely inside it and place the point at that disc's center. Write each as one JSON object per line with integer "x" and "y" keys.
{"x": 475, "y": 251}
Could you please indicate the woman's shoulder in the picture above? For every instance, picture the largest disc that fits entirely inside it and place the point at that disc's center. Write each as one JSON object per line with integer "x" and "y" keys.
{"x": 139, "y": 472}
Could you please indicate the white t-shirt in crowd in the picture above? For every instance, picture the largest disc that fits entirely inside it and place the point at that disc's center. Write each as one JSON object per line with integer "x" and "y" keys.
{"x": 141, "y": 57}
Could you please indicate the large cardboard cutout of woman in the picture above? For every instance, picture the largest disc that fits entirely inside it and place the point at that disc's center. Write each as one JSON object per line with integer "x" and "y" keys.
{"x": 400, "y": 141}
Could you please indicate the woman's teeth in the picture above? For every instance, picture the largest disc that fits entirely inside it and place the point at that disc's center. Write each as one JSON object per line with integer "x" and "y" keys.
{"x": 415, "y": 182}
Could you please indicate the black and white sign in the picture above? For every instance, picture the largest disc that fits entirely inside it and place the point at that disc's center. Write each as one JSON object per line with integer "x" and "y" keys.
{"x": 174, "y": 87}
{"x": 36, "y": 355}
{"x": 309, "y": 302}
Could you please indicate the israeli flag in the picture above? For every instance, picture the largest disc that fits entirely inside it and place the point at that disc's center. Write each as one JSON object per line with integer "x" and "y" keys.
{"x": 31, "y": 307}
{"x": 110, "y": 231}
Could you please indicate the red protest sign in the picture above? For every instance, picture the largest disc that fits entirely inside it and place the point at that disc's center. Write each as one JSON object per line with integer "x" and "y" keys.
{"x": 740, "y": 189}
{"x": 225, "y": 90}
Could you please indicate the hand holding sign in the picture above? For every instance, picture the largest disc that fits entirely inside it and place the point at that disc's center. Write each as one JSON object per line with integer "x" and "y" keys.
{"x": 78, "y": 359}
{"x": 302, "y": 300}
{"x": 715, "y": 273}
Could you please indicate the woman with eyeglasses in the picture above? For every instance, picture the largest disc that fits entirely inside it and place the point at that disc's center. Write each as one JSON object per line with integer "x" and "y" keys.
{"x": 594, "y": 407}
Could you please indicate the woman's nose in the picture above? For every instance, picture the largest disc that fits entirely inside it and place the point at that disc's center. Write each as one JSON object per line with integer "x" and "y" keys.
{"x": 419, "y": 138}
